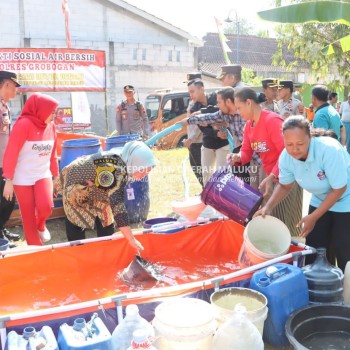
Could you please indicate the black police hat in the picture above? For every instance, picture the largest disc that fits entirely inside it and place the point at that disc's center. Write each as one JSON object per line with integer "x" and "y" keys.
{"x": 193, "y": 76}
{"x": 270, "y": 82}
{"x": 10, "y": 76}
{"x": 129, "y": 88}
{"x": 229, "y": 69}
{"x": 286, "y": 84}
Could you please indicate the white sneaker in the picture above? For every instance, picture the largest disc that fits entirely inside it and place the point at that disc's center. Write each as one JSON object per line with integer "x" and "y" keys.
{"x": 45, "y": 235}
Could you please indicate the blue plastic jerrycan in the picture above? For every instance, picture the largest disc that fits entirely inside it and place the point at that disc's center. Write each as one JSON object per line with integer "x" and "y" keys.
{"x": 32, "y": 340}
{"x": 285, "y": 288}
{"x": 92, "y": 335}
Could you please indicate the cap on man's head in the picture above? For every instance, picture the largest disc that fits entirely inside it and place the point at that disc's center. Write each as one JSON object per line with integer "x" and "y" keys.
{"x": 269, "y": 82}
{"x": 193, "y": 76}
{"x": 10, "y": 76}
{"x": 286, "y": 84}
{"x": 129, "y": 88}
{"x": 229, "y": 69}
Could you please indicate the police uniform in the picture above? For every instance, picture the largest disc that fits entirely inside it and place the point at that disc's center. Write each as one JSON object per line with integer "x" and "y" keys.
{"x": 270, "y": 106}
{"x": 292, "y": 106}
{"x": 234, "y": 69}
{"x": 131, "y": 117}
{"x": 192, "y": 76}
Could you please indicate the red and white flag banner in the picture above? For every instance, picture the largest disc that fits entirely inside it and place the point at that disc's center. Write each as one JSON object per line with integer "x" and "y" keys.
{"x": 56, "y": 69}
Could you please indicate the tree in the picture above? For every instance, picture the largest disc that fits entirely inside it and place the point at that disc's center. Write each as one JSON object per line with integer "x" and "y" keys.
{"x": 317, "y": 33}
{"x": 245, "y": 27}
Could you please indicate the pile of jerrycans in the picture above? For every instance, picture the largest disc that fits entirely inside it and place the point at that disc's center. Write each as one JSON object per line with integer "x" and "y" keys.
{"x": 184, "y": 323}
{"x": 289, "y": 288}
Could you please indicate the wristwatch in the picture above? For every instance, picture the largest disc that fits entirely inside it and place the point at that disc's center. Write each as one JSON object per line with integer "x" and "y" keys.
{"x": 7, "y": 179}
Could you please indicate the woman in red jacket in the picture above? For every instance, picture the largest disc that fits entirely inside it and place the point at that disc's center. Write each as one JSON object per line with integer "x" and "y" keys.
{"x": 263, "y": 135}
{"x": 30, "y": 162}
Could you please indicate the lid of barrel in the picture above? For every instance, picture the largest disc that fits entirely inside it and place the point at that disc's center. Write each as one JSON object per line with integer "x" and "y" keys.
{"x": 185, "y": 312}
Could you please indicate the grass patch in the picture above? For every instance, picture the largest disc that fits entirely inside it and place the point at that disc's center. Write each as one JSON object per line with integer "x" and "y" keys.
{"x": 166, "y": 181}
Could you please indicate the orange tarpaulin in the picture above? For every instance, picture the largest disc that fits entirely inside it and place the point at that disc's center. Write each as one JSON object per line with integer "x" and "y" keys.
{"x": 90, "y": 271}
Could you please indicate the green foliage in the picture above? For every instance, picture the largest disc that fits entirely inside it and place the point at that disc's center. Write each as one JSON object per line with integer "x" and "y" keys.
{"x": 249, "y": 77}
{"x": 307, "y": 40}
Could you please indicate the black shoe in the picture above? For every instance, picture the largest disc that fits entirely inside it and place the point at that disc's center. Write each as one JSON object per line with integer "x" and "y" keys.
{"x": 5, "y": 233}
{"x": 12, "y": 245}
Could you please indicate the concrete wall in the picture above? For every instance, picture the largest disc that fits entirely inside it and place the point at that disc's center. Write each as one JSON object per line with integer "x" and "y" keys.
{"x": 101, "y": 25}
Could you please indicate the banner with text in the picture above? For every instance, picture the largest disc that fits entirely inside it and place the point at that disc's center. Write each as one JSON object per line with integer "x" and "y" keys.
{"x": 56, "y": 69}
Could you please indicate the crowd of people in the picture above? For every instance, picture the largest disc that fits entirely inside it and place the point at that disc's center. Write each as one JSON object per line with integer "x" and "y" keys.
{"x": 279, "y": 147}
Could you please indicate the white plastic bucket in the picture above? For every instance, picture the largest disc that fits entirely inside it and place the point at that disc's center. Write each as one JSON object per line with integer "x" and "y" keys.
{"x": 224, "y": 300}
{"x": 263, "y": 239}
{"x": 184, "y": 323}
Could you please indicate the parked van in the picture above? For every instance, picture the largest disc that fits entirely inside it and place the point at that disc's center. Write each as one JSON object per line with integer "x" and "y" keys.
{"x": 165, "y": 108}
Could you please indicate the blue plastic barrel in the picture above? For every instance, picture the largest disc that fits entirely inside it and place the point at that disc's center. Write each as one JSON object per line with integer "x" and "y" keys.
{"x": 120, "y": 141}
{"x": 136, "y": 194}
{"x": 72, "y": 149}
{"x": 285, "y": 288}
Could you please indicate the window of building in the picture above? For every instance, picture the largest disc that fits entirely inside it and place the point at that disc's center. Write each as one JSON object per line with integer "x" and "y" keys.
{"x": 134, "y": 54}
{"x": 144, "y": 54}
{"x": 170, "y": 55}
{"x": 178, "y": 56}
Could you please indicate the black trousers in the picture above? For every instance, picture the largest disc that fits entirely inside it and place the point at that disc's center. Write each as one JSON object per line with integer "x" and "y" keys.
{"x": 241, "y": 171}
{"x": 331, "y": 230}
{"x": 6, "y": 207}
{"x": 196, "y": 161}
{"x": 75, "y": 232}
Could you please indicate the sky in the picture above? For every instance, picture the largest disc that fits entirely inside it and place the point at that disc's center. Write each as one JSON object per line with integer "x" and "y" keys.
{"x": 197, "y": 16}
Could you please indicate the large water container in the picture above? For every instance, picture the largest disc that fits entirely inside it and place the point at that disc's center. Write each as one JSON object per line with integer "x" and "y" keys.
{"x": 184, "y": 323}
{"x": 123, "y": 333}
{"x": 226, "y": 299}
{"x": 136, "y": 195}
{"x": 92, "y": 335}
{"x": 72, "y": 149}
{"x": 238, "y": 333}
{"x": 263, "y": 239}
{"x": 325, "y": 282}
{"x": 285, "y": 288}
{"x": 32, "y": 340}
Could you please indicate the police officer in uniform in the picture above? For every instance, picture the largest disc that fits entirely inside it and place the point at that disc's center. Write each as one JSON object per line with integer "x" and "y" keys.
{"x": 287, "y": 104}
{"x": 230, "y": 75}
{"x": 270, "y": 91}
{"x": 131, "y": 116}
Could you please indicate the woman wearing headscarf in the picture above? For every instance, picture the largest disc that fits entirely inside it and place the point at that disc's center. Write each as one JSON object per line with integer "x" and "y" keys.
{"x": 30, "y": 162}
{"x": 93, "y": 186}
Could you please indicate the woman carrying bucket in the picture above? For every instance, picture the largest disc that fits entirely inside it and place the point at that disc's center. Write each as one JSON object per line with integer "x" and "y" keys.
{"x": 263, "y": 135}
{"x": 93, "y": 187}
{"x": 321, "y": 166}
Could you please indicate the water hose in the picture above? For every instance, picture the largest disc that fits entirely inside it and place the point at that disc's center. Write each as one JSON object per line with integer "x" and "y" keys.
{"x": 152, "y": 140}
{"x": 229, "y": 138}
